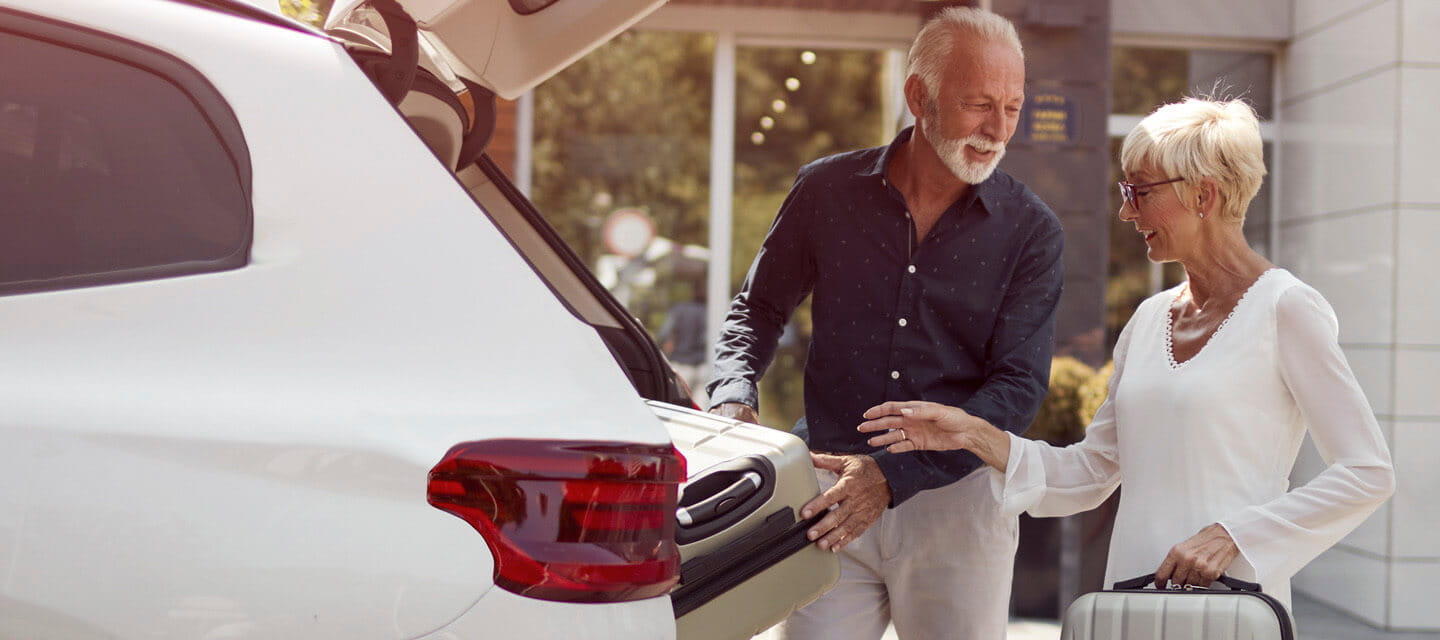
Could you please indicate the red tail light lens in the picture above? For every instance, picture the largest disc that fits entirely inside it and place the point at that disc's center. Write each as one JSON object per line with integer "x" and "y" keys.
{"x": 573, "y": 521}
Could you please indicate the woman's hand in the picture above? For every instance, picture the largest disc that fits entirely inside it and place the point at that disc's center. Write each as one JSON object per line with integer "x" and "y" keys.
{"x": 1198, "y": 561}
{"x": 916, "y": 426}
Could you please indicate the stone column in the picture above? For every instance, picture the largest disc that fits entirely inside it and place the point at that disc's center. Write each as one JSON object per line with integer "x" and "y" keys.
{"x": 1360, "y": 215}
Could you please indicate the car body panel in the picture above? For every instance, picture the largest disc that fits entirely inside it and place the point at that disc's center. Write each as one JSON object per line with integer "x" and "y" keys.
{"x": 244, "y": 454}
{"x": 502, "y": 614}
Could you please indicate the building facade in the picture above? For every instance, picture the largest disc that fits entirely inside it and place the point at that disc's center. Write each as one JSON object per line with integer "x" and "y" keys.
{"x": 722, "y": 100}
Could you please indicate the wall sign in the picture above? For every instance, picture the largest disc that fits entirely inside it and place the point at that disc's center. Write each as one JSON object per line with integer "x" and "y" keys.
{"x": 1049, "y": 117}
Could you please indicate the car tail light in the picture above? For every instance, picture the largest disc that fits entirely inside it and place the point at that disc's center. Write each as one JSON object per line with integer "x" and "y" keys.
{"x": 573, "y": 521}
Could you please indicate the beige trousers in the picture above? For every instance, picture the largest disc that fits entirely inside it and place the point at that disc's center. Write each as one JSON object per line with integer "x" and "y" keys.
{"x": 938, "y": 566}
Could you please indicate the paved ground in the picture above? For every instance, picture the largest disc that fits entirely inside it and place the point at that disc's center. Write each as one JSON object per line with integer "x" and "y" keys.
{"x": 1315, "y": 621}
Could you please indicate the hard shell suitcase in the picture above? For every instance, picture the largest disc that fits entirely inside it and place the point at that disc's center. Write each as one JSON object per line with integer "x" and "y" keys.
{"x": 1132, "y": 612}
{"x": 744, "y": 554}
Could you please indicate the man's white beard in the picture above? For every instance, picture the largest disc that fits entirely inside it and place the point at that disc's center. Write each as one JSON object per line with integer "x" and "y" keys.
{"x": 952, "y": 152}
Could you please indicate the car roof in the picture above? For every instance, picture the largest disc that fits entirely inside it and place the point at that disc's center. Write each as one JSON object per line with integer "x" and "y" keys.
{"x": 258, "y": 10}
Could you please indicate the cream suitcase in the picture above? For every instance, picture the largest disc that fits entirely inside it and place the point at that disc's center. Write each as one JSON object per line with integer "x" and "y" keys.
{"x": 1131, "y": 612}
{"x": 743, "y": 547}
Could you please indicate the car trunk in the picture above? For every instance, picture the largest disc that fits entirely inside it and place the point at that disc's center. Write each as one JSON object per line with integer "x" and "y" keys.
{"x": 746, "y": 562}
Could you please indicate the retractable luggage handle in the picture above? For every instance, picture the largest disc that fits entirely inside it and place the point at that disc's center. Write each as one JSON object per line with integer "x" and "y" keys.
{"x": 1235, "y": 584}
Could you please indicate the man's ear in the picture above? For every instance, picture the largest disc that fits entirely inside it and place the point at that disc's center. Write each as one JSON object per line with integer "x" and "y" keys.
{"x": 916, "y": 96}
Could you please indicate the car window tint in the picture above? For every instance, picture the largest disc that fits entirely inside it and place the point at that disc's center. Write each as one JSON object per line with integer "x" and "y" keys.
{"x": 108, "y": 173}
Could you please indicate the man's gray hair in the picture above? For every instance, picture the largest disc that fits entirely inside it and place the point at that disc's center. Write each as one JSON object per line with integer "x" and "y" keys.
{"x": 931, "y": 51}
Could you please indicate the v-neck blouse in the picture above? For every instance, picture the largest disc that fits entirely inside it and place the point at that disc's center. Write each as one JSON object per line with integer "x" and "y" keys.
{"x": 1170, "y": 319}
{"x": 1214, "y": 440}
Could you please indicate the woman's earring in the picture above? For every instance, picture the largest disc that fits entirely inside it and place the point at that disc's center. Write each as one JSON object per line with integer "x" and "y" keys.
{"x": 1202, "y": 215}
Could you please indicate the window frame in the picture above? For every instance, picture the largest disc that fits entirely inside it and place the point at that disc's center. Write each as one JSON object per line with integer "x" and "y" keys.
{"x": 209, "y": 105}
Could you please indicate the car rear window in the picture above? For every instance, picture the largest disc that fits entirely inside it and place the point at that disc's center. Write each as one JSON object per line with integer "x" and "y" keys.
{"x": 110, "y": 171}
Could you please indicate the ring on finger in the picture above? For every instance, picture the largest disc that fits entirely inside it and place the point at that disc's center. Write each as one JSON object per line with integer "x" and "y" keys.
{"x": 903, "y": 437}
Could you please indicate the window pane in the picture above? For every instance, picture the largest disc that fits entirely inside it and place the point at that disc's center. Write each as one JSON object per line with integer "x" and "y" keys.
{"x": 1242, "y": 74}
{"x": 107, "y": 172}
{"x": 794, "y": 106}
{"x": 622, "y": 143}
{"x": 1257, "y": 218}
{"x": 1145, "y": 78}
{"x": 1129, "y": 270}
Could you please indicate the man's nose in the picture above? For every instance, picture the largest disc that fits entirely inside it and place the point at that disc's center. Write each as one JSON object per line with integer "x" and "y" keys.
{"x": 997, "y": 126}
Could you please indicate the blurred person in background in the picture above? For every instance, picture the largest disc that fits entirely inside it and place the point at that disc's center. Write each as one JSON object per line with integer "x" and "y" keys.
{"x": 683, "y": 339}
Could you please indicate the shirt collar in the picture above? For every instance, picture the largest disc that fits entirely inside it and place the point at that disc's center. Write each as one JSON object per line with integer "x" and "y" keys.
{"x": 987, "y": 192}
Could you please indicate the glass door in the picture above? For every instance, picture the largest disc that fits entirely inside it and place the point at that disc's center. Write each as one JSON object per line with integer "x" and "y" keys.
{"x": 794, "y": 105}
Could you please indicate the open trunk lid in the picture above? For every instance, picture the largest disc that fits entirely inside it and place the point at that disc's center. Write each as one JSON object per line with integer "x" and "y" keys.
{"x": 508, "y": 46}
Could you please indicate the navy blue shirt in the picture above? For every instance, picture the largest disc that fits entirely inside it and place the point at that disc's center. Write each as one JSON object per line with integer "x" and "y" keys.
{"x": 965, "y": 317}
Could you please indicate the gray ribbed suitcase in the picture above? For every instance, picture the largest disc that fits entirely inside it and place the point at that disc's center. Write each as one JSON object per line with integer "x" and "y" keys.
{"x": 1131, "y": 612}
{"x": 746, "y": 563}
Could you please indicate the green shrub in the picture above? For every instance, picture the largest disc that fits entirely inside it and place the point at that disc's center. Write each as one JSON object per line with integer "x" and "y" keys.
{"x": 1076, "y": 393}
{"x": 1093, "y": 391}
{"x": 1058, "y": 421}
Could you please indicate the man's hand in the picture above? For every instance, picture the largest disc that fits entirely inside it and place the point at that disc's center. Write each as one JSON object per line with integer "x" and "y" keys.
{"x": 1199, "y": 560}
{"x": 859, "y": 496}
{"x": 738, "y": 411}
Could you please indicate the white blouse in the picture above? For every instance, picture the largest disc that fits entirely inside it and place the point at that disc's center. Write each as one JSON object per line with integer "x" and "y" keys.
{"x": 1213, "y": 439}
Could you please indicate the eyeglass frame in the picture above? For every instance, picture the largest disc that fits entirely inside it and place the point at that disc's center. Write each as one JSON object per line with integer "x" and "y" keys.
{"x": 1127, "y": 190}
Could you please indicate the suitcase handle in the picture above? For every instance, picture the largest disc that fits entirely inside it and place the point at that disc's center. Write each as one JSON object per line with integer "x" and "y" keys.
{"x": 1235, "y": 584}
{"x": 721, "y": 496}
{"x": 720, "y": 503}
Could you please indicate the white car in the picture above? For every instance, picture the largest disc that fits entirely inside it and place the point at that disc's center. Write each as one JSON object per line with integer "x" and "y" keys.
{"x": 270, "y": 376}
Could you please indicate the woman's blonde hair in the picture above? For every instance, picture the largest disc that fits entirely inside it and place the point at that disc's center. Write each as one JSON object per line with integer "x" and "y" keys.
{"x": 1200, "y": 138}
{"x": 930, "y": 53}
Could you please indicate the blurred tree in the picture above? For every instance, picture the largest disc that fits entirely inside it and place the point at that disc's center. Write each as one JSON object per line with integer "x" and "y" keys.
{"x": 629, "y": 126}
{"x": 311, "y": 11}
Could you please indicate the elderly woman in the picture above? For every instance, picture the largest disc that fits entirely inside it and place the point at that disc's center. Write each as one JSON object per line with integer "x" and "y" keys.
{"x": 1216, "y": 382}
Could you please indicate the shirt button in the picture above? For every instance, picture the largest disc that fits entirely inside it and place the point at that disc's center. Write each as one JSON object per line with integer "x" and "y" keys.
{"x": 910, "y": 268}
{"x": 894, "y": 375}
{"x": 903, "y": 322}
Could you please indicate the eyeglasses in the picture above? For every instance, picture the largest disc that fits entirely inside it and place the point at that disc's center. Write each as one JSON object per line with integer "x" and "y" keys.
{"x": 1127, "y": 190}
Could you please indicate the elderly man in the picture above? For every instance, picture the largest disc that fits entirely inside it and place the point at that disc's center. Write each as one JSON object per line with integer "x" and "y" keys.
{"x": 935, "y": 277}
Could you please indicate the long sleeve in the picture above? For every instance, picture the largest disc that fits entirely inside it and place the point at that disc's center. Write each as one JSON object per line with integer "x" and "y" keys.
{"x": 1049, "y": 481}
{"x": 1017, "y": 368}
{"x": 781, "y": 276}
{"x": 1280, "y": 537}
{"x": 1017, "y": 371}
